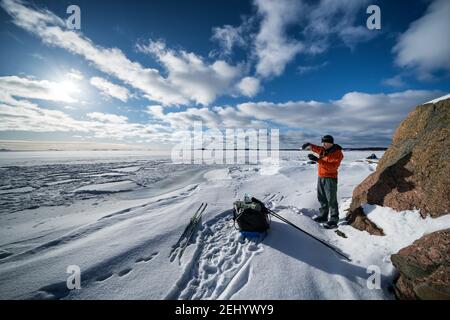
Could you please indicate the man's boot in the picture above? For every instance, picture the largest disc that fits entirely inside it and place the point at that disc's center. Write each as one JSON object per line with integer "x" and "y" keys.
{"x": 319, "y": 219}
{"x": 330, "y": 225}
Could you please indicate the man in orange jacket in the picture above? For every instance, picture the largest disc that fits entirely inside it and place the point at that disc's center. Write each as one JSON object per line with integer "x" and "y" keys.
{"x": 330, "y": 157}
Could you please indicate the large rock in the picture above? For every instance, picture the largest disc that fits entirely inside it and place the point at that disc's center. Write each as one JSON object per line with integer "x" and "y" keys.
{"x": 414, "y": 172}
{"x": 424, "y": 268}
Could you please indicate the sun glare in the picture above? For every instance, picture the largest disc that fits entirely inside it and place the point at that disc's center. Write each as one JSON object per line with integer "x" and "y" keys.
{"x": 65, "y": 90}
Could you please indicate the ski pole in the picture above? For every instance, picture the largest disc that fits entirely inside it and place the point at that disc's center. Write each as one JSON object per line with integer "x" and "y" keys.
{"x": 314, "y": 237}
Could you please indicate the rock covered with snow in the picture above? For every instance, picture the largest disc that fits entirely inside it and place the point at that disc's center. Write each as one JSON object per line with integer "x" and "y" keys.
{"x": 424, "y": 268}
{"x": 413, "y": 172}
{"x": 360, "y": 221}
{"x": 447, "y": 96}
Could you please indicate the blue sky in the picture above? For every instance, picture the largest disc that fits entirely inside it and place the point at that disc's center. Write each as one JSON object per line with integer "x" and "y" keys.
{"x": 141, "y": 72}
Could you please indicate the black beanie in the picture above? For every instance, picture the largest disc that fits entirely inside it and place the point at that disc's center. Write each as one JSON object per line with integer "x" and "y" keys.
{"x": 327, "y": 138}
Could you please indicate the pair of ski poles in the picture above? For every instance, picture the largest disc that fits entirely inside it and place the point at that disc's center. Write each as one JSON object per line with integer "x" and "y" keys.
{"x": 276, "y": 215}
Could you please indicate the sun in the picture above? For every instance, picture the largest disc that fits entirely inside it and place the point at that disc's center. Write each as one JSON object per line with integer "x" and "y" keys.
{"x": 65, "y": 90}
{"x": 70, "y": 86}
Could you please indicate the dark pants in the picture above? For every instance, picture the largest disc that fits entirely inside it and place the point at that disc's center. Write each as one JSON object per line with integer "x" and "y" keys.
{"x": 327, "y": 196}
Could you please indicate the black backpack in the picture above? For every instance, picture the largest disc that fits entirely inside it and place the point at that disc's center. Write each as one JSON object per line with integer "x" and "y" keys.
{"x": 252, "y": 216}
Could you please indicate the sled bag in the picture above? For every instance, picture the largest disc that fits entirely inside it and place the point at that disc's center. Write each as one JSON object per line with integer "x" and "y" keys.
{"x": 252, "y": 217}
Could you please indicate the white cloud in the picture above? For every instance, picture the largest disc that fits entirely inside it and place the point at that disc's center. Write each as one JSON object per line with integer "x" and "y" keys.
{"x": 107, "y": 117}
{"x": 50, "y": 28}
{"x": 25, "y": 116}
{"x": 17, "y": 114}
{"x": 190, "y": 79}
{"x": 330, "y": 19}
{"x": 32, "y": 118}
{"x": 311, "y": 68}
{"x": 195, "y": 78}
{"x": 354, "y": 112}
{"x": 228, "y": 38}
{"x": 249, "y": 86}
{"x": 395, "y": 81}
{"x": 75, "y": 74}
{"x": 110, "y": 89}
{"x": 291, "y": 27}
{"x": 37, "y": 56}
{"x": 356, "y": 118}
{"x": 36, "y": 89}
{"x": 273, "y": 48}
{"x": 216, "y": 117}
{"x": 425, "y": 45}
{"x": 156, "y": 111}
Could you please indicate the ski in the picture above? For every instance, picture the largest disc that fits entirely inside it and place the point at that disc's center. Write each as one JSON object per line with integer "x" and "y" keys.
{"x": 192, "y": 230}
{"x": 187, "y": 229}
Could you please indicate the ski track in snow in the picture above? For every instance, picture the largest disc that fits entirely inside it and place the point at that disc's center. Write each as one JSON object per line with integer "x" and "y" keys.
{"x": 221, "y": 256}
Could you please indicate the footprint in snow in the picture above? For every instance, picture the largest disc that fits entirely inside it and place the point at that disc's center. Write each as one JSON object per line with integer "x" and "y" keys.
{"x": 124, "y": 272}
{"x": 221, "y": 255}
{"x": 104, "y": 277}
{"x": 59, "y": 290}
{"x": 148, "y": 258}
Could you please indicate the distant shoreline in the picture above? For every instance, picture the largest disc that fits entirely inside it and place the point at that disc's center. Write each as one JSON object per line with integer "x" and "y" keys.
{"x": 281, "y": 149}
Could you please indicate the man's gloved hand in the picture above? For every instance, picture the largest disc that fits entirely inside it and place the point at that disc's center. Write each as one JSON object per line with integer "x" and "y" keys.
{"x": 306, "y": 145}
{"x": 312, "y": 157}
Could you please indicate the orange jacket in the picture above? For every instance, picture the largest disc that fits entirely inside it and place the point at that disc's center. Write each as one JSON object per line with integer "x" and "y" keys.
{"x": 329, "y": 160}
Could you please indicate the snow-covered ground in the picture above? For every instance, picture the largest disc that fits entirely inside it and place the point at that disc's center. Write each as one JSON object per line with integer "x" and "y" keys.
{"x": 118, "y": 215}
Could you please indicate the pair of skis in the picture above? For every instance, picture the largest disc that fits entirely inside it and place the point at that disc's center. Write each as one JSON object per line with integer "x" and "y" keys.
{"x": 183, "y": 241}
